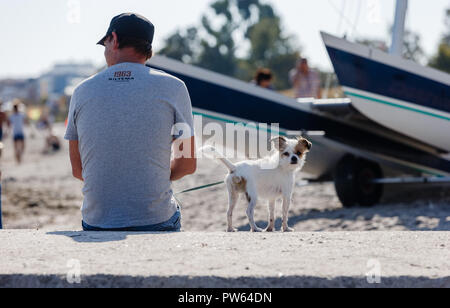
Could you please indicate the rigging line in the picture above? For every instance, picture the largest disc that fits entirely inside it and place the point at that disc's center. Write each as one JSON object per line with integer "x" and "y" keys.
{"x": 344, "y": 18}
{"x": 358, "y": 12}
{"x": 344, "y": 6}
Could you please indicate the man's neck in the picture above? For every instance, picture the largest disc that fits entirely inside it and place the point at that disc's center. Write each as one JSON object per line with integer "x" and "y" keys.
{"x": 129, "y": 61}
{"x": 129, "y": 58}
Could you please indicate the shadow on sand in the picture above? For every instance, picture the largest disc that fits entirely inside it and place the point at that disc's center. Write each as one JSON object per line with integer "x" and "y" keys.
{"x": 107, "y": 281}
{"x": 408, "y": 204}
{"x": 101, "y": 237}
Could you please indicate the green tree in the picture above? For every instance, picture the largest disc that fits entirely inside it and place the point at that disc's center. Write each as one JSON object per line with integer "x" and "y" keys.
{"x": 230, "y": 25}
{"x": 442, "y": 59}
{"x": 181, "y": 45}
{"x": 412, "y": 47}
{"x": 218, "y": 52}
{"x": 269, "y": 48}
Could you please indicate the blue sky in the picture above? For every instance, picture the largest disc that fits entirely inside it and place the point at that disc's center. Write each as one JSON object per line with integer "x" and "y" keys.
{"x": 38, "y": 33}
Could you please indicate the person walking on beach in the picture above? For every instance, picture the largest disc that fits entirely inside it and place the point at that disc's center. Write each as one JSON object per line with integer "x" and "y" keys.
{"x": 17, "y": 121}
{"x": 3, "y": 121}
{"x": 122, "y": 126}
{"x": 306, "y": 82}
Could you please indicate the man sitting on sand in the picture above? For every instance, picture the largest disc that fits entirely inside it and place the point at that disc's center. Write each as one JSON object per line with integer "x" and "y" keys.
{"x": 121, "y": 131}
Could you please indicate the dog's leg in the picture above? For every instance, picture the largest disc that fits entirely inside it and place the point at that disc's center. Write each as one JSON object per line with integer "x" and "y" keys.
{"x": 233, "y": 197}
{"x": 271, "y": 226}
{"x": 250, "y": 215}
{"x": 286, "y": 205}
{"x": 252, "y": 200}
{"x": 232, "y": 201}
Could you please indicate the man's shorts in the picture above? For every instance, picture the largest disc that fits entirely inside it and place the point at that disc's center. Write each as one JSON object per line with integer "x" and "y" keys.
{"x": 19, "y": 137}
{"x": 172, "y": 225}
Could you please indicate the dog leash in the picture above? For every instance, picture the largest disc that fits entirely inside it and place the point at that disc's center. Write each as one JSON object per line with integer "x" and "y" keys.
{"x": 195, "y": 189}
{"x": 200, "y": 188}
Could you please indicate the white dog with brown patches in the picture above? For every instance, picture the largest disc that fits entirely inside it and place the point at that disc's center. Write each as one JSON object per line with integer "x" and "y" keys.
{"x": 271, "y": 178}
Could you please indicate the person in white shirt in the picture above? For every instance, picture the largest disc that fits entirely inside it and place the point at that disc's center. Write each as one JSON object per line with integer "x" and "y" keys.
{"x": 17, "y": 122}
{"x": 306, "y": 82}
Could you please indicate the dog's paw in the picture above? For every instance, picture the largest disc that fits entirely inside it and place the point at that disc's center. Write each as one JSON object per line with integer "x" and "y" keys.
{"x": 257, "y": 230}
{"x": 287, "y": 229}
{"x": 232, "y": 230}
{"x": 269, "y": 229}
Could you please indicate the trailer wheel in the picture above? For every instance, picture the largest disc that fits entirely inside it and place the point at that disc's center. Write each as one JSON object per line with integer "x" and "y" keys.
{"x": 344, "y": 181}
{"x": 353, "y": 182}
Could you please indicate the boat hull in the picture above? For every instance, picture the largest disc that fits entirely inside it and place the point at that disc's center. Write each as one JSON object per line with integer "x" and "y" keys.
{"x": 398, "y": 94}
{"x": 427, "y": 126}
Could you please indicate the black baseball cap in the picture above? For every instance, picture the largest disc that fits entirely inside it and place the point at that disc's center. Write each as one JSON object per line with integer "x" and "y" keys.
{"x": 130, "y": 25}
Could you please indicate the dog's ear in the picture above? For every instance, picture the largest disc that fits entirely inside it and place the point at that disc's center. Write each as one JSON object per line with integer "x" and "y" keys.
{"x": 280, "y": 143}
{"x": 305, "y": 142}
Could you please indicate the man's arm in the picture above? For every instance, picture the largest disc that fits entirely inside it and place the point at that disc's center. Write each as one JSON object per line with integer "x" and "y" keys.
{"x": 319, "y": 93}
{"x": 294, "y": 78}
{"x": 184, "y": 162}
{"x": 319, "y": 89}
{"x": 75, "y": 160}
{"x": 8, "y": 127}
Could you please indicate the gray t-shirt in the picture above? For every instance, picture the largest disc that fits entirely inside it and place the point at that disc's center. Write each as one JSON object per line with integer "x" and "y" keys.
{"x": 123, "y": 119}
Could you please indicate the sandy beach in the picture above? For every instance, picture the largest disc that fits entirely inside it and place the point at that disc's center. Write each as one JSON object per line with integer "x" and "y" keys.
{"x": 41, "y": 194}
{"x": 224, "y": 260}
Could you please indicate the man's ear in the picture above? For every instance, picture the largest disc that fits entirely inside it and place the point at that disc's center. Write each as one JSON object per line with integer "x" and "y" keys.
{"x": 115, "y": 40}
{"x": 280, "y": 143}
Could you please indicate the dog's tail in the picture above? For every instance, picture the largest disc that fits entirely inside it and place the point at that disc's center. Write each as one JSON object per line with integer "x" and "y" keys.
{"x": 211, "y": 152}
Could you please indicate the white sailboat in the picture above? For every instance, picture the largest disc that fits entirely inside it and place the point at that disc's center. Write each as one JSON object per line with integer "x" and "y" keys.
{"x": 399, "y": 94}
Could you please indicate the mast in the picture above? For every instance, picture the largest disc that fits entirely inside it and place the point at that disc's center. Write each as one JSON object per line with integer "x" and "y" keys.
{"x": 398, "y": 31}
